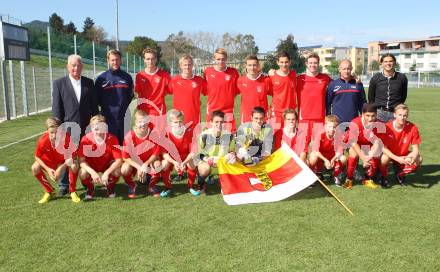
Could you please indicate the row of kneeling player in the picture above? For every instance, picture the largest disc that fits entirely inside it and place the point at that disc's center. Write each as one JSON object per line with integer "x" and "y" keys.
{"x": 150, "y": 155}
{"x": 378, "y": 145}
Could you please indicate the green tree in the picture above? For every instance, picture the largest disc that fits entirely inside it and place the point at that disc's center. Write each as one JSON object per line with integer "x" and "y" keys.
{"x": 70, "y": 28}
{"x": 333, "y": 68}
{"x": 88, "y": 24}
{"x": 138, "y": 45}
{"x": 359, "y": 70}
{"x": 288, "y": 45}
{"x": 374, "y": 66}
{"x": 56, "y": 22}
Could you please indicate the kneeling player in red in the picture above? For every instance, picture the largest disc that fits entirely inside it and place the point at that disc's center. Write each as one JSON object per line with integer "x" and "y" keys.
{"x": 401, "y": 136}
{"x": 289, "y": 135}
{"x": 362, "y": 137}
{"x": 53, "y": 155}
{"x": 329, "y": 150}
{"x": 99, "y": 152}
{"x": 181, "y": 152}
{"x": 141, "y": 156}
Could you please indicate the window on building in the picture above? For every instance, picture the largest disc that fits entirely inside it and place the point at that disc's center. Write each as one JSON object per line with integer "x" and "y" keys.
{"x": 420, "y": 55}
{"x": 407, "y": 56}
{"x": 434, "y": 55}
{"x": 419, "y": 65}
{"x": 433, "y": 65}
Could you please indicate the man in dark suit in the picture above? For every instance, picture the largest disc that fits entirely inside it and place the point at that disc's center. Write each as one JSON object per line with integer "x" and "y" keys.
{"x": 74, "y": 100}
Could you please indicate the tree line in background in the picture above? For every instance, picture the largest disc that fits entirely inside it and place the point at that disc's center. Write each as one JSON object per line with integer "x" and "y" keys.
{"x": 200, "y": 45}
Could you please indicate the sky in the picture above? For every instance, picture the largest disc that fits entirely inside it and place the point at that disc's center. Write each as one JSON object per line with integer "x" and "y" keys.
{"x": 328, "y": 23}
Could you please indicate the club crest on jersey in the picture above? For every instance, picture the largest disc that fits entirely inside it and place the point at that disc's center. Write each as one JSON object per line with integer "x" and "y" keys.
{"x": 244, "y": 85}
{"x": 259, "y": 89}
{"x": 157, "y": 79}
{"x": 276, "y": 83}
{"x": 212, "y": 75}
{"x": 227, "y": 77}
{"x": 194, "y": 85}
{"x": 262, "y": 182}
{"x": 405, "y": 140}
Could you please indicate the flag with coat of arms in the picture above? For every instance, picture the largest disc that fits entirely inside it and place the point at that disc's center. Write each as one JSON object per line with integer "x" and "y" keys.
{"x": 275, "y": 178}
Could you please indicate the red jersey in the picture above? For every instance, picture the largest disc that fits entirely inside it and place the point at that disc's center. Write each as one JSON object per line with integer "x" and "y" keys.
{"x": 399, "y": 142}
{"x": 53, "y": 156}
{"x": 293, "y": 142}
{"x": 139, "y": 149}
{"x": 221, "y": 89}
{"x": 254, "y": 93}
{"x": 99, "y": 156}
{"x": 153, "y": 87}
{"x": 311, "y": 93}
{"x": 183, "y": 145}
{"x": 327, "y": 146}
{"x": 284, "y": 92}
{"x": 186, "y": 97}
{"x": 358, "y": 133}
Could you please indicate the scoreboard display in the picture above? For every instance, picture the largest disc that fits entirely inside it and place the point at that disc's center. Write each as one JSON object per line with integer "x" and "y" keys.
{"x": 14, "y": 42}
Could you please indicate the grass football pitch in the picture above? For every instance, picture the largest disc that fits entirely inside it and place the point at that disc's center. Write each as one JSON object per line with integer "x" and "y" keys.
{"x": 397, "y": 229}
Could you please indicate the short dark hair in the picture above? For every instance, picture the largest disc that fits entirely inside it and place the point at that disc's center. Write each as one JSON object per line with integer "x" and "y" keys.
{"x": 217, "y": 113}
{"x": 258, "y": 109}
{"x": 252, "y": 57}
{"x": 369, "y": 107}
{"x": 387, "y": 55}
{"x": 283, "y": 54}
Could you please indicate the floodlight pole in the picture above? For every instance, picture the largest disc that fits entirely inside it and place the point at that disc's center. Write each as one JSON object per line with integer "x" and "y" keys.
{"x": 117, "y": 25}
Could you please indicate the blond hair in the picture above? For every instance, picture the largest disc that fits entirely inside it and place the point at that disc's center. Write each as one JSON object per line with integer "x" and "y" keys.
{"x": 175, "y": 113}
{"x": 401, "y": 107}
{"x": 332, "y": 119}
{"x": 97, "y": 118}
{"x": 221, "y": 51}
{"x": 52, "y": 122}
{"x": 290, "y": 111}
{"x": 185, "y": 57}
{"x": 113, "y": 52}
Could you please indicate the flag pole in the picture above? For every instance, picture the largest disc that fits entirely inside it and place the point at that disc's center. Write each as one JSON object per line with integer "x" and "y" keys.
{"x": 340, "y": 202}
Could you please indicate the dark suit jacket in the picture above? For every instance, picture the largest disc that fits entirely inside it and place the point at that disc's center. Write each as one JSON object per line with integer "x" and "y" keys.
{"x": 65, "y": 106}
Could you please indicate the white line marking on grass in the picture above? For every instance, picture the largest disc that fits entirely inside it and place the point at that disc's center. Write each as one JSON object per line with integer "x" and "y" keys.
{"x": 22, "y": 140}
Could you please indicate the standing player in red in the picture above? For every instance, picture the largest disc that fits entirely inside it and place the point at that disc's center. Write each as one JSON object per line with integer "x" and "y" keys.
{"x": 221, "y": 89}
{"x": 180, "y": 159}
{"x": 99, "y": 152}
{"x": 284, "y": 90}
{"x": 53, "y": 156}
{"x": 140, "y": 155}
{"x": 311, "y": 90}
{"x": 151, "y": 86}
{"x": 362, "y": 137}
{"x": 254, "y": 88}
{"x": 187, "y": 89}
{"x": 401, "y": 146}
{"x": 289, "y": 135}
{"x": 328, "y": 151}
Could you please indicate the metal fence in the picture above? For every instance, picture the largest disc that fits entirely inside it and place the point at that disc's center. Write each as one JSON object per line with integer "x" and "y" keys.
{"x": 415, "y": 79}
